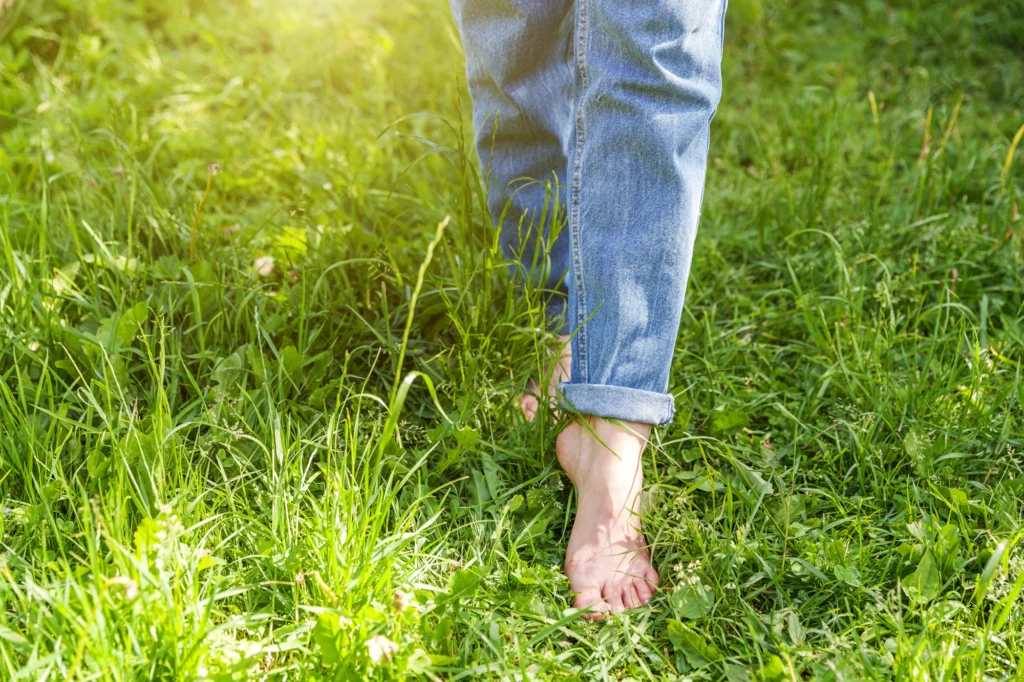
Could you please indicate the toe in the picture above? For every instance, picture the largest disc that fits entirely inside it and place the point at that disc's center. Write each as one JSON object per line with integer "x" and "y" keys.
{"x": 529, "y": 405}
{"x": 614, "y": 600}
{"x": 590, "y": 598}
{"x": 630, "y": 598}
{"x": 643, "y": 590}
{"x": 651, "y": 577}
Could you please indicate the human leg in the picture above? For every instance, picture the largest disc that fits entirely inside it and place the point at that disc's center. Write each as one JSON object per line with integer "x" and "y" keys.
{"x": 520, "y": 80}
{"x": 648, "y": 81}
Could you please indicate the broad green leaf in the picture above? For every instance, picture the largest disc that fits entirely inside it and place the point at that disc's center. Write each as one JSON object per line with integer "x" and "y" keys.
{"x": 697, "y": 651}
{"x": 208, "y": 561}
{"x": 440, "y": 634}
{"x": 480, "y": 489}
{"x": 257, "y": 361}
{"x": 848, "y": 574}
{"x": 418, "y": 662}
{"x": 513, "y": 505}
{"x": 492, "y": 473}
{"x": 725, "y": 422}
{"x": 97, "y": 463}
{"x": 736, "y": 673}
{"x": 146, "y": 535}
{"x": 228, "y": 369}
{"x": 773, "y": 671}
{"x": 925, "y": 583}
{"x": 467, "y": 437}
{"x": 530, "y": 602}
{"x": 943, "y": 611}
{"x": 292, "y": 362}
{"x": 753, "y": 479}
{"x": 325, "y": 635}
{"x": 797, "y": 634}
{"x": 787, "y": 509}
{"x": 711, "y": 484}
{"x": 130, "y": 322}
{"x": 463, "y": 585}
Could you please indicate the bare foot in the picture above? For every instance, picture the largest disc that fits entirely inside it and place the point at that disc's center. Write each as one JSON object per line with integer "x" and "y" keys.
{"x": 607, "y": 561}
{"x": 556, "y": 372}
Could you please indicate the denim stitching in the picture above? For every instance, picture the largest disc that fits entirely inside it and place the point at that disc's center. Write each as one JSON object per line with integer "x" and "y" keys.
{"x": 581, "y": 300}
{"x": 707, "y": 146}
{"x": 721, "y": 28}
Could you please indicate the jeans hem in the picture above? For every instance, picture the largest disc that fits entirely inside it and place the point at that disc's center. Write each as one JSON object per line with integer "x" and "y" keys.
{"x": 618, "y": 402}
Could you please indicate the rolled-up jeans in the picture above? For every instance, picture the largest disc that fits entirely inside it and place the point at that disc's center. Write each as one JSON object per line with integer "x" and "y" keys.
{"x": 613, "y": 99}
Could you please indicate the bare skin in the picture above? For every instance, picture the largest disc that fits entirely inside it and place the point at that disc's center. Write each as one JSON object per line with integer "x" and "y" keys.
{"x": 607, "y": 560}
{"x": 557, "y": 372}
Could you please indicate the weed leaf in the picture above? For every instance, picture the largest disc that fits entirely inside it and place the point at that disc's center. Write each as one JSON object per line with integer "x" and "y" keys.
{"x": 924, "y": 584}
{"x": 694, "y": 648}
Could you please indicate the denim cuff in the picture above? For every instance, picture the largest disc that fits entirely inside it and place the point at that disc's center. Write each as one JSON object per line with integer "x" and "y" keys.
{"x": 618, "y": 402}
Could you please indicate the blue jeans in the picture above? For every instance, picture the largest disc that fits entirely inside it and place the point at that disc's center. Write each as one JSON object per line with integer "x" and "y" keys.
{"x": 613, "y": 99}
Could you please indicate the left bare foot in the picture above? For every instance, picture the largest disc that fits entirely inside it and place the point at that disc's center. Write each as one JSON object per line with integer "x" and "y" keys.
{"x": 557, "y": 372}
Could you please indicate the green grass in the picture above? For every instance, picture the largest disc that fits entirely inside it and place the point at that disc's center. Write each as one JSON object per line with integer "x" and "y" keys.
{"x": 211, "y": 473}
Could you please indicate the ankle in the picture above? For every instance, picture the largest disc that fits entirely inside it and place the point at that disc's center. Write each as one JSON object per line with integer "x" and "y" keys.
{"x": 600, "y": 454}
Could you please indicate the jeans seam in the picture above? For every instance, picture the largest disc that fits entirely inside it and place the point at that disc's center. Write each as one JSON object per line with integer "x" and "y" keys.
{"x": 721, "y": 28}
{"x": 707, "y": 146}
{"x": 577, "y": 257}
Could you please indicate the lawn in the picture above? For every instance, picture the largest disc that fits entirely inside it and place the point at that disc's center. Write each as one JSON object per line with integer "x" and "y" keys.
{"x": 260, "y": 356}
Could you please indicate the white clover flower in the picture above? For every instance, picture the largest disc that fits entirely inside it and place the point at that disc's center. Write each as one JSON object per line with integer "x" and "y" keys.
{"x": 264, "y": 265}
{"x": 381, "y": 648}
